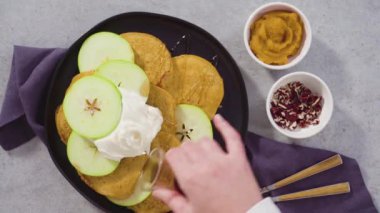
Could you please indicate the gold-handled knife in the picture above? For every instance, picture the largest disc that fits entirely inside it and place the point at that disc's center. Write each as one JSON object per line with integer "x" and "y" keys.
{"x": 322, "y": 166}
{"x": 340, "y": 188}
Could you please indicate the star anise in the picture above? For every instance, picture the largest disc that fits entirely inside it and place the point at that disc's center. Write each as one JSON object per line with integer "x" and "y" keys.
{"x": 92, "y": 106}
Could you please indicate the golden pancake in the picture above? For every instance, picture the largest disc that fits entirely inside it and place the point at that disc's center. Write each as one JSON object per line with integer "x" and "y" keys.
{"x": 165, "y": 141}
{"x": 120, "y": 183}
{"x": 151, "y": 204}
{"x": 151, "y": 55}
{"x": 63, "y": 127}
{"x": 165, "y": 102}
{"x": 194, "y": 80}
{"x": 79, "y": 76}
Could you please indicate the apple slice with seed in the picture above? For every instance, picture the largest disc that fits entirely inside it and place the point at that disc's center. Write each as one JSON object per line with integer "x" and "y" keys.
{"x": 84, "y": 156}
{"x": 192, "y": 123}
{"x": 125, "y": 75}
{"x": 103, "y": 46}
{"x": 92, "y": 107}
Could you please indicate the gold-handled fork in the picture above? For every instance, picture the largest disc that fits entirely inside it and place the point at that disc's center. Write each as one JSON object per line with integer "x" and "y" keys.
{"x": 335, "y": 189}
{"x": 322, "y": 166}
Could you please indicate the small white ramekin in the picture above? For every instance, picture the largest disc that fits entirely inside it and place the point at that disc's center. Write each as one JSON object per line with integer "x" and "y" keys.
{"x": 317, "y": 86}
{"x": 279, "y": 6}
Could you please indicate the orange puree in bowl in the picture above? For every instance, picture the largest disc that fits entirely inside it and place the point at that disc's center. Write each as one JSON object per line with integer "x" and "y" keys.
{"x": 276, "y": 36}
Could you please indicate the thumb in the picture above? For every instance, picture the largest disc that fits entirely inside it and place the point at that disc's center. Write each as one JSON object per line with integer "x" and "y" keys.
{"x": 175, "y": 200}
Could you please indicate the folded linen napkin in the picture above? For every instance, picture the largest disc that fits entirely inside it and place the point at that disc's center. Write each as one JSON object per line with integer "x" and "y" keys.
{"x": 22, "y": 118}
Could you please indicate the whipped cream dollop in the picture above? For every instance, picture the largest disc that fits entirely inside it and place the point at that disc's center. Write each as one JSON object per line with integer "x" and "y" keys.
{"x": 138, "y": 125}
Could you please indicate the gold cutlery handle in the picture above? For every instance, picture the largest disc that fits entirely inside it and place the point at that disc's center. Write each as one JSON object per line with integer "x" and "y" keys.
{"x": 340, "y": 188}
{"x": 322, "y": 166}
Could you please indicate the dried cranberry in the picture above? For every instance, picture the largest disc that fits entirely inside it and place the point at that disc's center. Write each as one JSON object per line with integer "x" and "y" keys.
{"x": 292, "y": 106}
{"x": 292, "y": 117}
{"x": 275, "y": 111}
{"x": 302, "y": 123}
{"x": 293, "y": 96}
{"x": 295, "y": 106}
{"x": 311, "y": 100}
{"x": 304, "y": 97}
{"x": 318, "y": 108}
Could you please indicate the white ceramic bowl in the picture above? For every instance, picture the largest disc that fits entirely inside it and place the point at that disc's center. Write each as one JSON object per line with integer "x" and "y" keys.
{"x": 306, "y": 40}
{"x": 317, "y": 86}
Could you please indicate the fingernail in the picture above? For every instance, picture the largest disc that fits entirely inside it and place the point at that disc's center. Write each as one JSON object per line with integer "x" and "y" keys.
{"x": 218, "y": 117}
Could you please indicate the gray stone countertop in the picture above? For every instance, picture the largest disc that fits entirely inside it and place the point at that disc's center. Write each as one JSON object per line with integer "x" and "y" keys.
{"x": 344, "y": 52}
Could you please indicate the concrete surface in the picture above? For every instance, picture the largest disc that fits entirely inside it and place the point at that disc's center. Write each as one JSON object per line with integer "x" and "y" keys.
{"x": 344, "y": 52}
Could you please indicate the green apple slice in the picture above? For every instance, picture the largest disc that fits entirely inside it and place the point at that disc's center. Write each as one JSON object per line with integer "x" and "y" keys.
{"x": 92, "y": 107}
{"x": 84, "y": 156}
{"x": 125, "y": 75}
{"x": 103, "y": 46}
{"x": 192, "y": 123}
{"x": 136, "y": 198}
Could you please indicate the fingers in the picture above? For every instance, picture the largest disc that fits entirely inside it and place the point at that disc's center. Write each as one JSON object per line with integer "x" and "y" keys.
{"x": 210, "y": 146}
{"x": 176, "y": 201}
{"x": 231, "y": 137}
{"x": 177, "y": 159}
{"x": 191, "y": 150}
{"x": 197, "y": 150}
{"x": 184, "y": 159}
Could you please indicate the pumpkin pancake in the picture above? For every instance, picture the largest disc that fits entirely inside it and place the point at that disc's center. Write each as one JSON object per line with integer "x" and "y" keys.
{"x": 79, "y": 76}
{"x": 166, "y": 103}
{"x": 151, "y": 55}
{"x": 63, "y": 127}
{"x": 151, "y": 204}
{"x": 165, "y": 141}
{"x": 120, "y": 183}
{"x": 194, "y": 80}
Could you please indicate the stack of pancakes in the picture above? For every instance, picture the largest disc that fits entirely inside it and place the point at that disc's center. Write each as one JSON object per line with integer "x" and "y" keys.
{"x": 184, "y": 79}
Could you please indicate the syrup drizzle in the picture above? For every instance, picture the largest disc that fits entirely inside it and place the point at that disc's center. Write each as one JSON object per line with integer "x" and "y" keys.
{"x": 182, "y": 46}
{"x": 215, "y": 60}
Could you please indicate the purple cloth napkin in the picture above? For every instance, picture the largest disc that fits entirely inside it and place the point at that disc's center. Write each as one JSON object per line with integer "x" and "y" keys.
{"x": 22, "y": 115}
{"x": 272, "y": 161}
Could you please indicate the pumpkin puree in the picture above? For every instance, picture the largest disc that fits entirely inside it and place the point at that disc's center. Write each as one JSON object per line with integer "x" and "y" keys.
{"x": 276, "y": 36}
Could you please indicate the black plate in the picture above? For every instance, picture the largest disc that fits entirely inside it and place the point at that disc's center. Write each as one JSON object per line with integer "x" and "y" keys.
{"x": 182, "y": 38}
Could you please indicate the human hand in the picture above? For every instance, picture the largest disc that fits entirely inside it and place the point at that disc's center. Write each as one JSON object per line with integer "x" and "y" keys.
{"x": 210, "y": 179}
